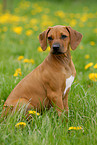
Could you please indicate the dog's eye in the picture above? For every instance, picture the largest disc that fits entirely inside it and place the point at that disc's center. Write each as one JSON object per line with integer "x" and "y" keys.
{"x": 50, "y": 38}
{"x": 63, "y": 36}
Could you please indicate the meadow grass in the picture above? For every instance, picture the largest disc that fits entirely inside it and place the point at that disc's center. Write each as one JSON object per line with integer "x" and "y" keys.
{"x": 48, "y": 129}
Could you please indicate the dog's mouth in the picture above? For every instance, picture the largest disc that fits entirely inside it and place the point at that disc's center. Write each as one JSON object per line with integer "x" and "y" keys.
{"x": 57, "y": 52}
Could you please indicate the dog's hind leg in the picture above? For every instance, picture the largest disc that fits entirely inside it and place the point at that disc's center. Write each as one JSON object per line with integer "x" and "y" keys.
{"x": 11, "y": 108}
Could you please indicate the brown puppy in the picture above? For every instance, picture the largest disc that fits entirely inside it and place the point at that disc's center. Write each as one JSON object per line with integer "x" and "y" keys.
{"x": 50, "y": 82}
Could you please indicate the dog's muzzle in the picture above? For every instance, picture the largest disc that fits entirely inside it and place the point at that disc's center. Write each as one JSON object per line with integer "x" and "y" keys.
{"x": 56, "y": 47}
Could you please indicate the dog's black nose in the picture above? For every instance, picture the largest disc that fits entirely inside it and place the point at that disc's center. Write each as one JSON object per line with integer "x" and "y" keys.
{"x": 56, "y": 47}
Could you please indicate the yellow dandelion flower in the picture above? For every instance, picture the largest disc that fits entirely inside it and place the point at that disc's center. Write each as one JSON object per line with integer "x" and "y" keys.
{"x": 70, "y": 49}
{"x": 39, "y": 49}
{"x": 36, "y": 10}
{"x": 20, "y": 73}
{"x": 46, "y": 23}
{"x": 95, "y": 66}
{"x": 5, "y": 105}
{"x": 29, "y": 32}
{"x": 45, "y": 17}
{"x": 33, "y": 112}
{"x": 33, "y": 22}
{"x": 31, "y": 61}
{"x": 70, "y": 128}
{"x": 39, "y": 9}
{"x": 84, "y": 18}
{"x": 18, "y": 69}
{"x": 87, "y": 56}
{"x": 20, "y": 58}
{"x": 88, "y": 65}
{"x": 78, "y": 128}
{"x": 75, "y": 128}
{"x": 26, "y": 60}
{"x": 17, "y": 72}
{"x": 60, "y": 14}
{"x": 17, "y": 30}
{"x": 48, "y": 48}
{"x": 92, "y": 43}
{"x": 73, "y": 23}
{"x": 93, "y": 76}
{"x": 20, "y": 124}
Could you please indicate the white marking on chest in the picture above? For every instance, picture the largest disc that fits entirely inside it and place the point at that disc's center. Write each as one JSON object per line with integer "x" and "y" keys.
{"x": 69, "y": 82}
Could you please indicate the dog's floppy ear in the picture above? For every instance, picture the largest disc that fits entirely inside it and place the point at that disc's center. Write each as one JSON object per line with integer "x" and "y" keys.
{"x": 43, "y": 39}
{"x": 75, "y": 37}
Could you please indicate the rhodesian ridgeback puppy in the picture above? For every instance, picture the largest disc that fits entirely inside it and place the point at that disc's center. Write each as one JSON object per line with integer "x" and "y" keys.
{"x": 50, "y": 82}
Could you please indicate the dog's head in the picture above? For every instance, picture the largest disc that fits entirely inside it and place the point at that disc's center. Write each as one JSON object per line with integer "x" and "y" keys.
{"x": 59, "y": 38}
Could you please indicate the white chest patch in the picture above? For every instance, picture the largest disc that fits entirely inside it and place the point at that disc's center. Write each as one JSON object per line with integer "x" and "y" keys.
{"x": 69, "y": 82}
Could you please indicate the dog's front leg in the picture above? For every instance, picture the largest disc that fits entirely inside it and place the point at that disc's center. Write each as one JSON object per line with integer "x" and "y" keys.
{"x": 56, "y": 101}
{"x": 65, "y": 101}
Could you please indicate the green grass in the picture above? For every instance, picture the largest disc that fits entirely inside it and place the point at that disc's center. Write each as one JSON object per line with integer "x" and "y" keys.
{"x": 48, "y": 129}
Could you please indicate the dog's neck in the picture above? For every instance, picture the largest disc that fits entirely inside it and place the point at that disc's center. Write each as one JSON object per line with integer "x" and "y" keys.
{"x": 63, "y": 59}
